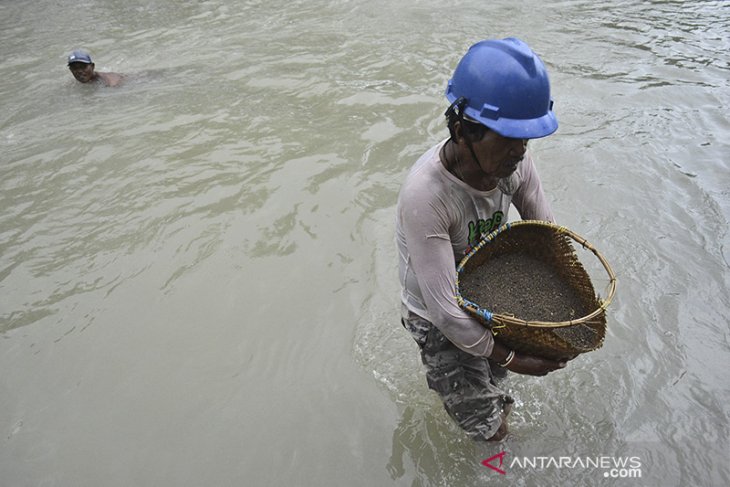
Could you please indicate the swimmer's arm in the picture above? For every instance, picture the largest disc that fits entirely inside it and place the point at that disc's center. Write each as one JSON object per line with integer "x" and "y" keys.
{"x": 111, "y": 79}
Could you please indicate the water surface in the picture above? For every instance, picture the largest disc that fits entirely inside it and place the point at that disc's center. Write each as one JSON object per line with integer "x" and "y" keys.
{"x": 197, "y": 269}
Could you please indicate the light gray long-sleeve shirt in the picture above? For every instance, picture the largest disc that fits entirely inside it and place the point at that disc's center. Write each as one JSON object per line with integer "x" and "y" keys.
{"x": 439, "y": 219}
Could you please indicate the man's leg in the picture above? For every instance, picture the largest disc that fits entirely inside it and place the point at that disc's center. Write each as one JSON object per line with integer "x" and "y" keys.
{"x": 465, "y": 383}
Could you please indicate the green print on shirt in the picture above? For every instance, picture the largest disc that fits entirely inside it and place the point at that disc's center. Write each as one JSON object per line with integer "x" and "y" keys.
{"x": 482, "y": 227}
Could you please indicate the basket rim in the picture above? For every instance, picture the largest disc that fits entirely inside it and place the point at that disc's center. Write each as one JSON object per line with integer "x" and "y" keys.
{"x": 503, "y": 319}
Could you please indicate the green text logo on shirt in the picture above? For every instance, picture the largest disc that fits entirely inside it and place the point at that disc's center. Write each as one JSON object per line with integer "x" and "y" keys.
{"x": 480, "y": 228}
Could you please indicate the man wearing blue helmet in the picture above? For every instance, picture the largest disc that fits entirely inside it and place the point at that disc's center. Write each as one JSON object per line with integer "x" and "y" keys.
{"x": 455, "y": 194}
{"x": 82, "y": 68}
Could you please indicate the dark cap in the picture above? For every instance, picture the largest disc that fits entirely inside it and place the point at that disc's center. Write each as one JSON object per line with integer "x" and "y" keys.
{"x": 79, "y": 57}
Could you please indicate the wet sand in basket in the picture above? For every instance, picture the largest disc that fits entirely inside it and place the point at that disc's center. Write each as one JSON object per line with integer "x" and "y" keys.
{"x": 520, "y": 285}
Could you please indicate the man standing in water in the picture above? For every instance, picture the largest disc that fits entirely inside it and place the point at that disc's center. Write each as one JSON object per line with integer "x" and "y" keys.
{"x": 81, "y": 66}
{"x": 454, "y": 195}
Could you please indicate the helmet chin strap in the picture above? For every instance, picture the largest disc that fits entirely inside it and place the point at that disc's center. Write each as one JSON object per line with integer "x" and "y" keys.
{"x": 476, "y": 160}
{"x": 458, "y": 108}
{"x": 474, "y": 155}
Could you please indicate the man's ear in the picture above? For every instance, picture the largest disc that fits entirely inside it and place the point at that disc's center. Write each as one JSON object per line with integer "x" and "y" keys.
{"x": 458, "y": 130}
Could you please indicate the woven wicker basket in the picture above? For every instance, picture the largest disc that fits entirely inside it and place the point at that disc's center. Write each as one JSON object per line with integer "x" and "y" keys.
{"x": 551, "y": 244}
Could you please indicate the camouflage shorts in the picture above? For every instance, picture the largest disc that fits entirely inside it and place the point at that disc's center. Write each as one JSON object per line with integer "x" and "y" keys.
{"x": 467, "y": 384}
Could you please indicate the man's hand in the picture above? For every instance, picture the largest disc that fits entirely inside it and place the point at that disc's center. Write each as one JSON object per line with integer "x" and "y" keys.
{"x": 525, "y": 364}
{"x": 529, "y": 365}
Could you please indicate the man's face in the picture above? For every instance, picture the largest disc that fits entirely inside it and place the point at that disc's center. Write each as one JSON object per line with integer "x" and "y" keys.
{"x": 82, "y": 72}
{"x": 498, "y": 156}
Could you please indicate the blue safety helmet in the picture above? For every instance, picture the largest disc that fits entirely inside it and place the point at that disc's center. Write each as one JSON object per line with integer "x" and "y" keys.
{"x": 503, "y": 84}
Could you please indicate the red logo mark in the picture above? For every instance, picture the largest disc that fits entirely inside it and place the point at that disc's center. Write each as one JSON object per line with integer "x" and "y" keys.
{"x": 488, "y": 462}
